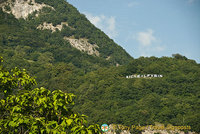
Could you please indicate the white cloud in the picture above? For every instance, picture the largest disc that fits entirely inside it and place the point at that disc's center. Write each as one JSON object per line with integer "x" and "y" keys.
{"x": 134, "y": 3}
{"x": 146, "y": 38}
{"x": 149, "y": 45}
{"x": 151, "y": 50}
{"x": 106, "y": 24}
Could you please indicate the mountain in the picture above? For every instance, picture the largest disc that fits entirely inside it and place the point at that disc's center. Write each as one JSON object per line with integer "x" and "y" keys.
{"x": 165, "y": 90}
{"x": 59, "y": 46}
{"x": 55, "y": 29}
{"x": 51, "y": 39}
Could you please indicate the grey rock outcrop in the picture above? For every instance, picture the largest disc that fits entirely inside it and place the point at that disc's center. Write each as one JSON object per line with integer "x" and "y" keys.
{"x": 22, "y": 8}
{"x": 51, "y": 27}
{"x": 83, "y": 45}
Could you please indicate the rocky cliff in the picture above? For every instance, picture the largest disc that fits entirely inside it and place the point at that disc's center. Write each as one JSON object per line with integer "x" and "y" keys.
{"x": 22, "y": 8}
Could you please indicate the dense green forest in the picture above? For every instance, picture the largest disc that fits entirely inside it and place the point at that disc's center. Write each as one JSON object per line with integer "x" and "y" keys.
{"x": 27, "y": 110}
{"x": 106, "y": 95}
{"x": 42, "y": 52}
{"x": 17, "y": 33}
{"x": 102, "y": 90}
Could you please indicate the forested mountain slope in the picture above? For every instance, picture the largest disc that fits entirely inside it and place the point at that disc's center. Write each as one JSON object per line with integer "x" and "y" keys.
{"x": 106, "y": 95}
{"x": 41, "y": 35}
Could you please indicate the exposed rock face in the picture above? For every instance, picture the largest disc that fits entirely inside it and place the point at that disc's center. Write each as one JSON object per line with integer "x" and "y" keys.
{"x": 51, "y": 27}
{"x": 108, "y": 58}
{"x": 80, "y": 44}
{"x": 22, "y": 8}
{"x": 84, "y": 46}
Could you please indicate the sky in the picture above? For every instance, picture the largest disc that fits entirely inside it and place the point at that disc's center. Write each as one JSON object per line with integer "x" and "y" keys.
{"x": 148, "y": 27}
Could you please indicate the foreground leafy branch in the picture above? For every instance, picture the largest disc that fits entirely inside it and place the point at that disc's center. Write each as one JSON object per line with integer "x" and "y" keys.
{"x": 39, "y": 110}
{"x": 15, "y": 80}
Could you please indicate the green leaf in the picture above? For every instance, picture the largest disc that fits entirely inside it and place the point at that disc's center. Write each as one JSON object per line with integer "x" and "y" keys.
{"x": 12, "y": 124}
{"x": 69, "y": 122}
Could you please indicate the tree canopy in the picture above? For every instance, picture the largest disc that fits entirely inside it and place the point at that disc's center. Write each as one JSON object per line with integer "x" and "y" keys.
{"x": 39, "y": 110}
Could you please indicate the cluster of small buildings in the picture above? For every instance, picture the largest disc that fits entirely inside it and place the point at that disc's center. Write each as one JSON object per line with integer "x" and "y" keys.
{"x": 145, "y": 76}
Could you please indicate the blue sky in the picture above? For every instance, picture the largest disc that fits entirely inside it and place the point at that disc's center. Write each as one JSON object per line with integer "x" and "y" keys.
{"x": 148, "y": 27}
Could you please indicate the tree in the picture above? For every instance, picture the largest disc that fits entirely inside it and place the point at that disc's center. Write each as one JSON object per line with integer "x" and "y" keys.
{"x": 38, "y": 110}
{"x": 178, "y": 56}
{"x": 14, "y": 80}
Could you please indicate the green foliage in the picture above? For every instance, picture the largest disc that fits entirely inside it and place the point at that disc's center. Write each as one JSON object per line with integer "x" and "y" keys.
{"x": 15, "y": 33}
{"x": 15, "y": 80}
{"x": 39, "y": 110}
{"x": 107, "y": 96}
{"x": 42, "y": 111}
{"x": 41, "y": 51}
{"x": 178, "y": 56}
